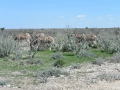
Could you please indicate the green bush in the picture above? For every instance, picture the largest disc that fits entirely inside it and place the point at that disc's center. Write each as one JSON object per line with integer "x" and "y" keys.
{"x": 68, "y": 48}
{"x": 58, "y": 56}
{"x": 69, "y": 44}
{"x": 7, "y": 46}
{"x": 59, "y": 63}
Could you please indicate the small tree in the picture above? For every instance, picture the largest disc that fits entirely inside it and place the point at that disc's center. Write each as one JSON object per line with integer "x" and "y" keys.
{"x": 2, "y": 29}
{"x": 86, "y": 27}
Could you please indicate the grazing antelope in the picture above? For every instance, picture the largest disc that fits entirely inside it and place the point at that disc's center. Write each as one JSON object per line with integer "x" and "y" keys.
{"x": 81, "y": 37}
{"x": 43, "y": 42}
{"x": 78, "y": 37}
{"x": 91, "y": 37}
{"x": 23, "y": 39}
{"x": 34, "y": 36}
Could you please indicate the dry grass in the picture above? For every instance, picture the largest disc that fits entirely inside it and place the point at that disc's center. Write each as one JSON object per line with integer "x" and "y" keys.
{"x": 85, "y": 78}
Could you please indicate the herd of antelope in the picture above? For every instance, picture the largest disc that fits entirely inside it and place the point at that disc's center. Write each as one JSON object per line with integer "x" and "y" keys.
{"x": 41, "y": 41}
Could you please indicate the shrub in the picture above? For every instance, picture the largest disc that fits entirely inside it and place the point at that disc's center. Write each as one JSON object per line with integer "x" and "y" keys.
{"x": 108, "y": 42}
{"x": 69, "y": 44}
{"x": 42, "y": 76}
{"x": 3, "y": 83}
{"x": 17, "y": 55}
{"x": 86, "y": 27}
{"x": 111, "y": 76}
{"x": 2, "y": 29}
{"x": 59, "y": 63}
{"x": 68, "y": 47}
{"x": 34, "y": 61}
{"x": 75, "y": 66}
{"x": 6, "y": 58}
{"x": 57, "y": 56}
{"x": 59, "y": 41}
{"x": 42, "y": 80}
{"x": 64, "y": 42}
{"x": 7, "y": 46}
{"x": 85, "y": 54}
{"x": 115, "y": 58}
{"x": 83, "y": 45}
{"x": 32, "y": 53}
{"x": 21, "y": 63}
{"x": 98, "y": 61}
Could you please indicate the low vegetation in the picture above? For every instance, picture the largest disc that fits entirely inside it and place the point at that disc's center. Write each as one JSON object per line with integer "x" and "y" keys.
{"x": 3, "y": 83}
{"x": 115, "y": 58}
{"x": 7, "y": 46}
{"x": 98, "y": 61}
{"x": 110, "y": 77}
{"x": 85, "y": 54}
{"x": 42, "y": 76}
{"x": 75, "y": 66}
{"x": 43, "y": 64}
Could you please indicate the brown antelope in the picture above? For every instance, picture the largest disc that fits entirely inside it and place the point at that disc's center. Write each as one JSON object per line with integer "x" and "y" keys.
{"x": 42, "y": 42}
{"x": 78, "y": 37}
{"x": 91, "y": 37}
{"x": 34, "y": 36}
{"x": 23, "y": 39}
{"x": 81, "y": 37}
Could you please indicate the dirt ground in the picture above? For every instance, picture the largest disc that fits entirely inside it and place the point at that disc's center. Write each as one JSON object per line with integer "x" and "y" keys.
{"x": 88, "y": 77}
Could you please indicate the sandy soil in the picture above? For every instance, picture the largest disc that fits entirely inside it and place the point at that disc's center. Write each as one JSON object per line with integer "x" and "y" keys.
{"x": 85, "y": 78}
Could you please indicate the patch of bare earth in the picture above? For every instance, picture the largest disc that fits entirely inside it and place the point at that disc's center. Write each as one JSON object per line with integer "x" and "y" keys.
{"x": 86, "y": 78}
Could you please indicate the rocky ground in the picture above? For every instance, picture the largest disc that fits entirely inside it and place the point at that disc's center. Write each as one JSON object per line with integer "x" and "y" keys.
{"x": 88, "y": 77}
